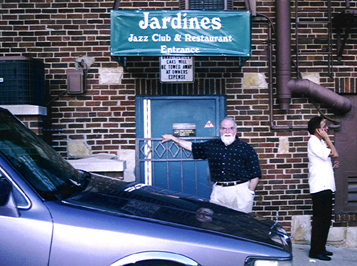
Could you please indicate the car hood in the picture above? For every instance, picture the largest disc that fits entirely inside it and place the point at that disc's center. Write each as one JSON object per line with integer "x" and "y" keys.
{"x": 142, "y": 201}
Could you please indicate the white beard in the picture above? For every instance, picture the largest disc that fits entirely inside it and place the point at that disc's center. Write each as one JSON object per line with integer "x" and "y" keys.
{"x": 228, "y": 139}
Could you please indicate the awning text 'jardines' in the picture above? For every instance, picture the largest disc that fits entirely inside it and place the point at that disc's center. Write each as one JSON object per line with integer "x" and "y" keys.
{"x": 180, "y": 33}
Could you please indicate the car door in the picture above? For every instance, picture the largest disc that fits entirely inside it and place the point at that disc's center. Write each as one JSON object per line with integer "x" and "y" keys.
{"x": 26, "y": 231}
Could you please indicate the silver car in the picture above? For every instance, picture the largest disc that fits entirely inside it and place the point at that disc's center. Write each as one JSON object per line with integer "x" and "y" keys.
{"x": 53, "y": 214}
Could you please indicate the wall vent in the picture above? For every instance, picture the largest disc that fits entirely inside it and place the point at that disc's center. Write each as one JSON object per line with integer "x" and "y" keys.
{"x": 206, "y": 4}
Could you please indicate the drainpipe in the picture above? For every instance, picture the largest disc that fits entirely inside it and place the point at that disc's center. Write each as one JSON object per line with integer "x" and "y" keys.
{"x": 116, "y": 4}
{"x": 283, "y": 54}
{"x": 260, "y": 18}
{"x": 321, "y": 94}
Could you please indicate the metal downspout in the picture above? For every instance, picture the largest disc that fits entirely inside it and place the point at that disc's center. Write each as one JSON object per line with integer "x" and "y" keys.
{"x": 320, "y": 93}
{"x": 283, "y": 62}
{"x": 283, "y": 56}
{"x": 116, "y": 4}
{"x": 264, "y": 19}
{"x": 261, "y": 18}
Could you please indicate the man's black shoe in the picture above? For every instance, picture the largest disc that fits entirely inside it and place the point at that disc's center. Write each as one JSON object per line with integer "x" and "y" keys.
{"x": 328, "y": 253}
{"x": 320, "y": 257}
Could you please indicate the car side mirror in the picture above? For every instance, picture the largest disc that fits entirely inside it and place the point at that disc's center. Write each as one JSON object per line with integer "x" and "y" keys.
{"x": 7, "y": 203}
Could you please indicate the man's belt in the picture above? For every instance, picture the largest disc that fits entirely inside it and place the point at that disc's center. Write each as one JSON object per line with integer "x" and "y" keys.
{"x": 230, "y": 183}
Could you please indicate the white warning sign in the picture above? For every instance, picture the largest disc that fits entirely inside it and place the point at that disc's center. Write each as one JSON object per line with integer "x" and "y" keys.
{"x": 209, "y": 124}
{"x": 176, "y": 69}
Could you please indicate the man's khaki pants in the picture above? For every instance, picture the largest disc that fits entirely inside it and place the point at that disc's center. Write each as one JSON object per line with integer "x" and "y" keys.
{"x": 237, "y": 197}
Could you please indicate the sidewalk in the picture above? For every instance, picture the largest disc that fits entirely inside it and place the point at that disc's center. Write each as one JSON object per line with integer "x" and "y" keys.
{"x": 341, "y": 256}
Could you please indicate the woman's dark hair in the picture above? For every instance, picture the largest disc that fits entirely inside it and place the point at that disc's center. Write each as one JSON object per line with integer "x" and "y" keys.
{"x": 313, "y": 124}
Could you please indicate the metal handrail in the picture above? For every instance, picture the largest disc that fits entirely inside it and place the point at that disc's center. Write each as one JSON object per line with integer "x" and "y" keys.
{"x": 151, "y": 150}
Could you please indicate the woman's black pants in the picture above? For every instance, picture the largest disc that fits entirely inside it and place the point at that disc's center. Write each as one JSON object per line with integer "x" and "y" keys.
{"x": 321, "y": 221}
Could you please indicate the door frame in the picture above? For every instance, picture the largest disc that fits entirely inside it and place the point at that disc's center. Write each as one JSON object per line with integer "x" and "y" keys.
{"x": 146, "y": 146}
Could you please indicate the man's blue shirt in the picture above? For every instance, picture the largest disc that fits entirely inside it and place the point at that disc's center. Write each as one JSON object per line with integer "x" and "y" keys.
{"x": 235, "y": 162}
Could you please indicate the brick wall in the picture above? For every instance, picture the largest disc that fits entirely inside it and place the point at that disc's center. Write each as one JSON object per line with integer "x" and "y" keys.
{"x": 61, "y": 32}
{"x": 33, "y": 122}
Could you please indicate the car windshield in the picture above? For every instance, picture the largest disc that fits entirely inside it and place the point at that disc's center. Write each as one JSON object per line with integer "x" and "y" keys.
{"x": 38, "y": 163}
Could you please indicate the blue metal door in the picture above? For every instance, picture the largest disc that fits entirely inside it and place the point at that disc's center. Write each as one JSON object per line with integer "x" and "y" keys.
{"x": 167, "y": 165}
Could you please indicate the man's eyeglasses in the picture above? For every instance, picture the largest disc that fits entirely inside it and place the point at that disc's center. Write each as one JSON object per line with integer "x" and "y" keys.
{"x": 227, "y": 128}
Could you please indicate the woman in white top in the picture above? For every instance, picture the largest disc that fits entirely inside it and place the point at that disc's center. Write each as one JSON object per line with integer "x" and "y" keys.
{"x": 322, "y": 185}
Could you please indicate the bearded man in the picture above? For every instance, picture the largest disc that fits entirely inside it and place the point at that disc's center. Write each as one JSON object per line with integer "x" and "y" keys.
{"x": 234, "y": 166}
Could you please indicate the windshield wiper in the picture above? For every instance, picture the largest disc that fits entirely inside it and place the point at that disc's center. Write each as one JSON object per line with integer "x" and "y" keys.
{"x": 71, "y": 188}
{"x": 85, "y": 178}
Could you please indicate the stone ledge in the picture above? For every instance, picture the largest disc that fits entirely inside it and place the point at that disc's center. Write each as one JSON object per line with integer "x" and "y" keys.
{"x": 99, "y": 163}
{"x": 26, "y": 109}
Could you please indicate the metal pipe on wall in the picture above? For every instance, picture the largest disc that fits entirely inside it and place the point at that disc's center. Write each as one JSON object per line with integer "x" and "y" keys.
{"x": 320, "y": 93}
{"x": 283, "y": 66}
{"x": 260, "y": 18}
{"x": 116, "y": 4}
{"x": 283, "y": 57}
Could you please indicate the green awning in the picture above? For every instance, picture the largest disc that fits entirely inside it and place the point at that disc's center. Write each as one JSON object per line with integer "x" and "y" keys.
{"x": 180, "y": 33}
